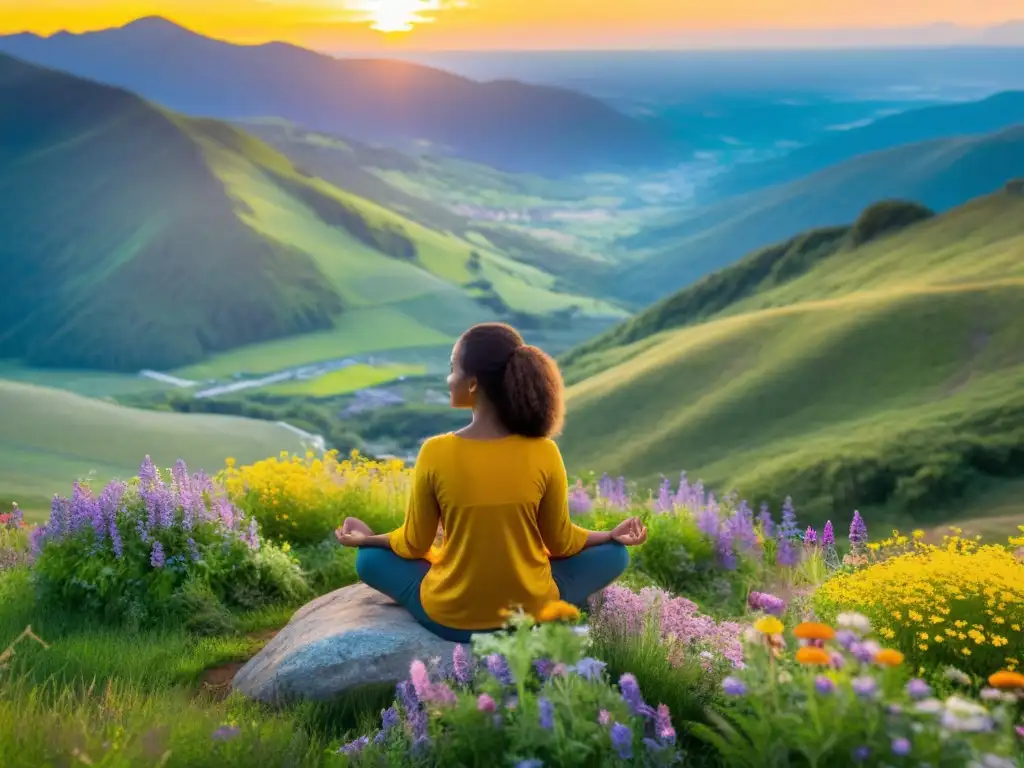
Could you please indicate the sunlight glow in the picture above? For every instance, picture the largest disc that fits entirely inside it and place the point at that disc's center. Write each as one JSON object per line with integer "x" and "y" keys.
{"x": 397, "y": 15}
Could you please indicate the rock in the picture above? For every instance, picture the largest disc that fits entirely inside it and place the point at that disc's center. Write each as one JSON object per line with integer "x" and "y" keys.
{"x": 348, "y": 639}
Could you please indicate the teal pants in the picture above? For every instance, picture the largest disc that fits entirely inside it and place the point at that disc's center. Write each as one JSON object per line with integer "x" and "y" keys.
{"x": 577, "y": 577}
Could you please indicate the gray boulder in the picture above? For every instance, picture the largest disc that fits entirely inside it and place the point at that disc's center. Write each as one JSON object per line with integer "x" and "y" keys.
{"x": 348, "y": 639}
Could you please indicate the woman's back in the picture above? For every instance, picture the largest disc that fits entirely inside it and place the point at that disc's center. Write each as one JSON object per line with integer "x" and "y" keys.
{"x": 503, "y": 507}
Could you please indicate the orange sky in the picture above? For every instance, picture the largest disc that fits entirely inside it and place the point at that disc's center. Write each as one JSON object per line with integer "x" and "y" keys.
{"x": 493, "y": 23}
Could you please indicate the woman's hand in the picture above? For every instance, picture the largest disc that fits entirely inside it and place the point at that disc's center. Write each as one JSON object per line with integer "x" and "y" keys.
{"x": 630, "y": 533}
{"x": 353, "y": 532}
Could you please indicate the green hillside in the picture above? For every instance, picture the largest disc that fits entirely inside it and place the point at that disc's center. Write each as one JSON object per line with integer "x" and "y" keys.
{"x": 48, "y": 437}
{"x": 939, "y": 174}
{"x": 140, "y": 238}
{"x": 883, "y": 374}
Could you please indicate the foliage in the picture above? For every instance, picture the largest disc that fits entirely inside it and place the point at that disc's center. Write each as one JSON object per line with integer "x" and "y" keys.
{"x": 150, "y": 550}
{"x": 529, "y": 695}
{"x": 302, "y": 499}
{"x": 849, "y": 702}
{"x": 13, "y": 539}
{"x": 961, "y": 603}
{"x": 885, "y": 218}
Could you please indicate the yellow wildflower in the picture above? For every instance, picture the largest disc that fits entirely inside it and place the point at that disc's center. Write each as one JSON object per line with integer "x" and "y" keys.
{"x": 558, "y": 610}
{"x": 768, "y": 625}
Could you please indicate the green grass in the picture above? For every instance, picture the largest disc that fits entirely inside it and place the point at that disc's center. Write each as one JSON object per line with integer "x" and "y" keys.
{"x": 49, "y": 437}
{"x": 89, "y": 383}
{"x": 888, "y": 375}
{"x": 355, "y": 377}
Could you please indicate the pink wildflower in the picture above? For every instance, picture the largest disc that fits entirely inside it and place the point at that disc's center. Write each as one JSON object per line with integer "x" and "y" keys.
{"x": 485, "y": 703}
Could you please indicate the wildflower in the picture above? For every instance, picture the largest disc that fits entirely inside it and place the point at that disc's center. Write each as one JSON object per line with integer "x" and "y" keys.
{"x": 355, "y": 747}
{"x": 864, "y": 686}
{"x": 498, "y": 667}
{"x": 813, "y": 656}
{"x": 846, "y": 638}
{"x": 419, "y": 678}
{"x": 604, "y": 717}
{"x": 855, "y": 622}
{"x": 766, "y": 603}
{"x": 824, "y": 685}
{"x": 769, "y": 625}
{"x": 531, "y": 763}
{"x": 764, "y": 517}
{"x": 1020, "y": 731}
{"x": 547, "y": 713}
{"x": 809, "y": 630}
{"x": 861, "y": 754}
{"x": 956, "y": 676}
{"x": 225, "y": 733}
{"x": 828, "y": 536}
{"x": 810, "y": 536}
{"x": 630, "y": 690}
{"x": 157, "y": 559}
{"x": 558, "y": 610}
{"x": 579, "y": 500}
{"x": 965, "y": 716}
{"x": 544, "y": 668}
{"x": 733, "y": 686}
{"x": 663, "y": 725}
{"x": 589, "y": 669}
{"x": 461, "y": 665}
{"x": 485, "y": 703}
{"x": 930, "y": 706}
{"x": 918, "y": 689}
{"x": 889, "y": 658}
{"x": 901, "y": 747}
{"x": 1006, "y": 680}
{"x": 865, "y": 652}
{"x": 622, "y": 740}
{"x": 858, "y": 532}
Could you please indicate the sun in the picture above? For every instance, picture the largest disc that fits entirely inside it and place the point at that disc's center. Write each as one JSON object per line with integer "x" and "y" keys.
{"x": 398, "y": 15}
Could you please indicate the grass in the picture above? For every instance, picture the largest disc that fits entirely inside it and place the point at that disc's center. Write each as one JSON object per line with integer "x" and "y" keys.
{"x": 83, "y": 382}
{"x": 886, "y": 375}
{"x": 49, "y": 437}
{"x": 355, "y": 377}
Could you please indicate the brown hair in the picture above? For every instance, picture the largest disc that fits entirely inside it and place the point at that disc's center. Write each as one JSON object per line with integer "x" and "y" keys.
{"x": 522, "y": 382}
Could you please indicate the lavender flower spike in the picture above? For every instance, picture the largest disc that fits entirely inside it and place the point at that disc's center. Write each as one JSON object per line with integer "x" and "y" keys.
{"x": 828, "y": 536}
{"x": 858, "y": 531}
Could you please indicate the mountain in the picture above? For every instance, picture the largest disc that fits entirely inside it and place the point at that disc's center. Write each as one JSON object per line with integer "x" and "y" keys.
{"x": 138, "y": 238}
{"x": 949, "y": 120}
{"x": 939, "y": 174}
{"x": 505, "y": 124}
{"x": 48, "y": 436}
{"x": 872, "y": 365}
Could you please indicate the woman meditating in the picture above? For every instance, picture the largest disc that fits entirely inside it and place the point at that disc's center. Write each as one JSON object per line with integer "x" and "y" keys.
{"x": 499, "y": 490}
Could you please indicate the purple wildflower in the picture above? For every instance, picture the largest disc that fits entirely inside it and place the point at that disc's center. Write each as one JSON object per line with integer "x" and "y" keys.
{"x": 866, "y": 651}
{"x": 788, "y": 528}
{"x": 547, "y": 713}
{"x": 864, "y": 686}
{"x": 708, "y": 522}
{"x": 630, "y": 689}
{"x": 725, "y": 549}
{"x": 918, "y": 689}
{"x": 858, "y": 531}
{"x": 663, "y": 725}
{"x": 742, "y": 526}
{"x": 766, "y": 603}
{"x": 810, "y": 536}
{"x": 604, "y": 717}
{"x": 589, "y": 669}
{"x": 663, "y": 503}
{"x": 824, "y": 685}
{"x": 498, "y": 667}
{"x": 225, "y": 733}
{"x": 901, "y": 747}
{"x": 733, "y": 686}
{"x": 786, "y": 554}
{"x": 544, "y": 668}
{"x": 622, "y": 740}
{"x": 861, "y": 754}
{"x": 389, "y": 718}
{"x": 157, "y": 559}
{"x": 828, "y": 536}
{"x": 847, "y": 638}
{"x": 462, "y": 665}
{"x": 485, "y": 703}
{"x": 764, "y": 517}
{"x": 356, "y": 746}
{"x": 579, "y": 500}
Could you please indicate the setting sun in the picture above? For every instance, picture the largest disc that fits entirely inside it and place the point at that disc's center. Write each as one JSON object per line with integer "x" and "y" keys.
{"x": 397, "y": 15}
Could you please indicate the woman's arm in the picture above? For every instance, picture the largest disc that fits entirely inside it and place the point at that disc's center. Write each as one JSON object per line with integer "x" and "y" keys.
{"x": 417, "y": 534}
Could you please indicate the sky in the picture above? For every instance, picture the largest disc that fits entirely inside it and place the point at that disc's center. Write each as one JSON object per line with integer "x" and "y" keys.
{"x": 519, "y": 24}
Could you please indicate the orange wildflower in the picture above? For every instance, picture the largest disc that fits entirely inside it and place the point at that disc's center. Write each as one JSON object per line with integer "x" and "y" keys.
{"x": 813, "y": 656}
{"x": 557, "y": 611}
{"x": 887, "y": 657}
{"x": 810, "y": 630}
{"x": 1006, "y": 679}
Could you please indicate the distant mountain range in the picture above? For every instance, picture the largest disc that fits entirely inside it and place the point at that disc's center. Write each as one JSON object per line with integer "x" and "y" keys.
{"x": 939, "y": 174}
{"x": 872, "y": 365}
{"x": 992, "y": 114}
{"x": 133, "y": 237}
{"x": 506, "y": 124}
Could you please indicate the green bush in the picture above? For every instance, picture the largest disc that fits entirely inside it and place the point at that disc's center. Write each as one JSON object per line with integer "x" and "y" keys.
{"x": 149, "y": 551}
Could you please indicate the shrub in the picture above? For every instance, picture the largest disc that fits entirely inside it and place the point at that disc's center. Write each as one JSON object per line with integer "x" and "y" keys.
{"x": 148, "y": 550}
{"x": 961, "y": 603}
{"x": 839, "y": 698}
{"x": 534, "y": 700}
{"x": 13, "y": 539}
{"x": 302, "y": 500}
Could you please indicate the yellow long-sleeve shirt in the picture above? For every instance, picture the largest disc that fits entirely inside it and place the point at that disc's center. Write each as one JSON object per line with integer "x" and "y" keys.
{"x": 503, "y": 506}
